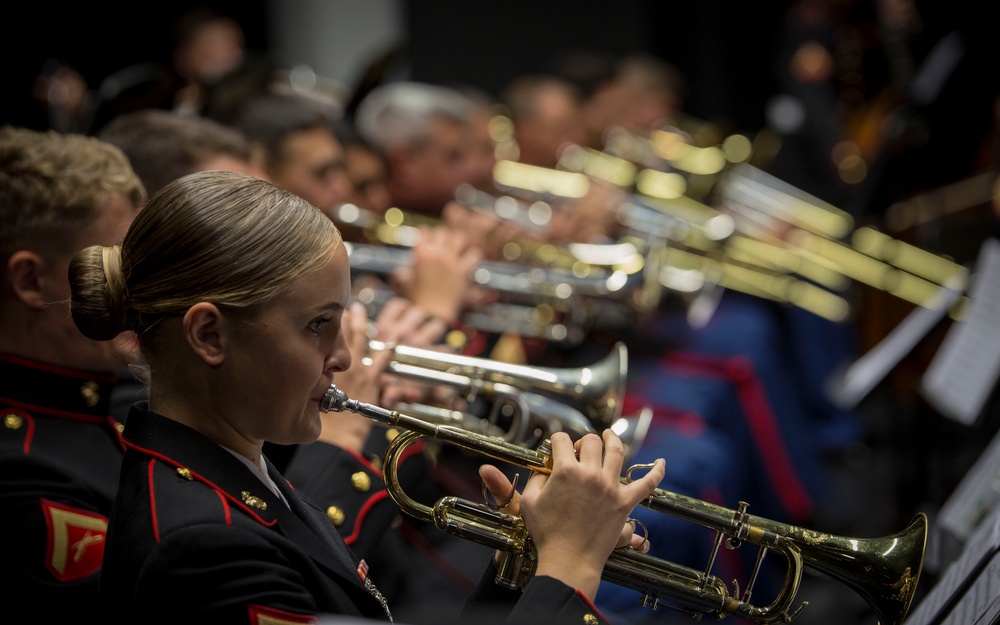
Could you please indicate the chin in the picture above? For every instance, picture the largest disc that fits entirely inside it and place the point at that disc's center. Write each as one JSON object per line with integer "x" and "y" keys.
{"x": 312, "y": 427}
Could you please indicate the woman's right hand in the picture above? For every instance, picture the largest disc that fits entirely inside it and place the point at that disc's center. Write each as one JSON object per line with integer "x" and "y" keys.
{"x": 579, "y": 514}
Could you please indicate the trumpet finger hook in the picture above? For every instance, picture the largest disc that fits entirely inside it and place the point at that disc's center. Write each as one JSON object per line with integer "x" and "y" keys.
{"x": 494, "y": 505}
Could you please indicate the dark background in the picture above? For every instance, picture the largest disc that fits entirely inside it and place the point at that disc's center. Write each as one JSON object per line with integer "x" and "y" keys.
{"x": 722, "y": 48}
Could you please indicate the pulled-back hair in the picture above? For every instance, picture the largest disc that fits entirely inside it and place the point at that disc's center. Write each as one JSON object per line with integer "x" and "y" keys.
{"x": 214, "y": 236}
{"x": 53, "y": 185}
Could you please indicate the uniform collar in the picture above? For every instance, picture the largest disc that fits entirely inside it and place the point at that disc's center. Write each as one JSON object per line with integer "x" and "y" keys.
{"x": 197, "y": 457}
{"x": 43, "y": 388}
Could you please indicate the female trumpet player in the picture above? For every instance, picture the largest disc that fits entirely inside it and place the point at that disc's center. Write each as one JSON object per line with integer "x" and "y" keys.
{"x": 238, "y": 292}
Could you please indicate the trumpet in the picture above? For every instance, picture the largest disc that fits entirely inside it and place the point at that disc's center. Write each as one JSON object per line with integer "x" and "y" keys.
{"x": 595, "y": 391}
{"x": 884, "y": 571}
{"x": 779, "y": 221}
{"x": 688, "y": 247}
{"x": 511, "y": 279}
{"x": 530, "y": 320}
{"x": 549, "y": 303}
{"x": 525, "y": 404}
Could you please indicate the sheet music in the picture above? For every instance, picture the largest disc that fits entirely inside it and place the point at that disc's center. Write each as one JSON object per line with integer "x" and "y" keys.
{"x": 983, "y": 544}
{"x": 849, "y": 388}
{"x": 975, "y": 498}
{"x": 963, "y": 373}
{"x": 981, "y": 603}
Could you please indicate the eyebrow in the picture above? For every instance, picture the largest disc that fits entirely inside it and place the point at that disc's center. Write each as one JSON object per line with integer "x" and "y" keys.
{"x": 331, "y": 307}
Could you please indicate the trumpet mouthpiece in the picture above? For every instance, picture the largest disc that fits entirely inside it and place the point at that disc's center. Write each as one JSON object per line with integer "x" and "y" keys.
{"x": 335, "y": 399}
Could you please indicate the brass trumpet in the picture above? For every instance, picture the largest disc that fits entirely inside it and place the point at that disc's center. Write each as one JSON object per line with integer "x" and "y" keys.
{"x": 595, "y": 391}
{"x": 807, "y": 236}
{"x": 884, "y": 571}
{"x": 525, "y": 404}
{"x": 688, "y": 246}
{"x": 556, "y": 303}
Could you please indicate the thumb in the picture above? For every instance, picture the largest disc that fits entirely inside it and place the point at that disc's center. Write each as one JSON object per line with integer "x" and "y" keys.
{"x": 501, "y": 489}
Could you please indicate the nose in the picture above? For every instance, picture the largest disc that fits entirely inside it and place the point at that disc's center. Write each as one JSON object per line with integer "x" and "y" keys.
{"x": 339, "y": 358}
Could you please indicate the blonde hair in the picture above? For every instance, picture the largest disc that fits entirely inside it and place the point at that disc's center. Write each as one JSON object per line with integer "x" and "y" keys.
{"x": 53, "y": 185}
{"x": 213, "y": 236}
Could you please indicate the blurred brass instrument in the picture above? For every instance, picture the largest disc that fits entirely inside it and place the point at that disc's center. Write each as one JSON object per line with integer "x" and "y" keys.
{"x": 884, "y": 571}
{"x": 514, "y": 393}
{"x": 544, "y": 291}
{"x": 779, "y": 242}
{"x": 687, "y": 244}
{"x": 523, "y": 405}
{"x": 799, "y": 233}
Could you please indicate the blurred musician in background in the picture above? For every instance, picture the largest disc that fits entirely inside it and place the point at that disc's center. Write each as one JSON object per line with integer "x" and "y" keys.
{"x": 547, "y": 114}
{"x": 367, "y": 171}
{"x": 421, "y": 131}
{"x": 298, "y": 143}
{"x": 60, "y": 450}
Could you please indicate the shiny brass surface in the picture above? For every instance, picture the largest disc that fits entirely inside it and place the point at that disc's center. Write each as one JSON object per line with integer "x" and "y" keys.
{"x": 884, "y": 571}
{"x": 596, "y": 391}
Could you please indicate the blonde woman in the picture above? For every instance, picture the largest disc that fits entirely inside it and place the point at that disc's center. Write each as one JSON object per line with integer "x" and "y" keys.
{"x": 239, "y": 294}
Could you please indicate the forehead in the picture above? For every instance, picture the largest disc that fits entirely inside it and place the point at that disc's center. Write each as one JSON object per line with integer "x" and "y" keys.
{"x": 229, "y": 162}
{"x": 326, "y": 285}
{"x": 312, "y": 146}
{"x": 447, "y": 132}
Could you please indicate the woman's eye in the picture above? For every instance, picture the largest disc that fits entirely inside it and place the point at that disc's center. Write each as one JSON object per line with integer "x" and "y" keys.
{"x": 317, "y": 325}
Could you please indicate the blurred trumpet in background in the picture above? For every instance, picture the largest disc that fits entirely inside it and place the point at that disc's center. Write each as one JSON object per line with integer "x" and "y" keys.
{"x": 753, "y": 232}
{"x": 540, "y": 291}
{"x": 686, "y": 244}
{"x": 521, "y": 404}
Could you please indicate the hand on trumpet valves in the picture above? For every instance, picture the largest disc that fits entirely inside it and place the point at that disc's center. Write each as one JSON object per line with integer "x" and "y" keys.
{"x": 438, "y": 277}
{"x": 401, "y": 322}
{"x": 580, "y": 512}
{"x": 590, "y": 218}
{"x": 486, "y": 231}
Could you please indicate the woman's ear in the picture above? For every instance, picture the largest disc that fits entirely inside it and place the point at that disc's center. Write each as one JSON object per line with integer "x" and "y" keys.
{"x": 203, "y": 329}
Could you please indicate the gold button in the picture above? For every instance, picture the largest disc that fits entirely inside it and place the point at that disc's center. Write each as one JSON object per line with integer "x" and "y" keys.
{"x": 120, "y": 427}
{"x": 89, "y": 392}
{"x": 336, "y": 515}
{"x": 361, "y": 481}
{"x": 456, "y": 339}
{"x": 13, "y": 421}
{"x": 590, "y": 619}
{"x": 185, "y": 473}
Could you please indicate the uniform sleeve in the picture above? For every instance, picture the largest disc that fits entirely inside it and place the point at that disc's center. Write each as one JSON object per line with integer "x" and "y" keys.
{"x": 544, "y": 600}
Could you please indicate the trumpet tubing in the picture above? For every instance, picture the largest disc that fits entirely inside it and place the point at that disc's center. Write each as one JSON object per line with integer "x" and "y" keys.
{"x": 550, "y": 283}
{"x": 814, "y": 234}
{"x": 596, "y": 390}
{"x": 525, "y": 404}
{"x": 687, "y": 246}
{"x": 884, "y": 571}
